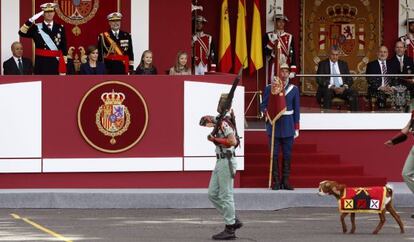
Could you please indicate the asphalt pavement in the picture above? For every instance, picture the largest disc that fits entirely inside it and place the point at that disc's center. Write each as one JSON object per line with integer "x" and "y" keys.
{"x": 119, "y": 225}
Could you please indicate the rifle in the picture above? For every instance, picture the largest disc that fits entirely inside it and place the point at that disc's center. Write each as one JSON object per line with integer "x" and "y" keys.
{"x": 219, "y": 119}
{"x": 227, "y": 104}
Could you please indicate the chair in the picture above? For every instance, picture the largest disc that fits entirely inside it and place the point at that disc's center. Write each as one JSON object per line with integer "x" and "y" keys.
{"x": 336, "y": 102}
{"x": 339, "y": 102}
{"x": 373, "y": 103}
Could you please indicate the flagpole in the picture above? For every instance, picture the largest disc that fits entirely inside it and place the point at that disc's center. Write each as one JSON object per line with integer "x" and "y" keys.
{"x": 258, "y": 95}
{"x": 271, "y": 154}
{"x": 273, "y": 122}
{"x": 257, "y": 90}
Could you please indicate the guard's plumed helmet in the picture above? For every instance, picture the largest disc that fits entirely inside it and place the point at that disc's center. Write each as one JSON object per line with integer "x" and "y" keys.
{"x": 280, "y": 16}
{"x": 284, "y": 66}
{"x": 200, "y": 18}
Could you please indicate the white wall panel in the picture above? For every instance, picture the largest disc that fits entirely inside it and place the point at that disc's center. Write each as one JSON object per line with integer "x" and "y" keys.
{"x": 406, "y": 9}
{"x": 113, "y": 164}
{"x": 270, "y": 11}
{"x": 139, "y": 27}
{"x": 21, "y": 120}
{"x": 206, "y": 163}
{"x": 10, "y": 25}
{"x": 20, "y": 165}
{"x": 353, "y": 121}
{"x": 201, "y": 99}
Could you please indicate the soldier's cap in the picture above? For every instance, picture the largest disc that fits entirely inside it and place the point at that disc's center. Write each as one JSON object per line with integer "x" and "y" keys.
{"x": 284, "y": 66}
{"x": 115, "y": 16}
{"x": 409, "y": 21}
{"x": 224, "y": 95}
{"x": 223, "y": 98}
{"x": 200, "y": 18}
{"x": 280, "y": 16}
{"x": 48, "y": 7}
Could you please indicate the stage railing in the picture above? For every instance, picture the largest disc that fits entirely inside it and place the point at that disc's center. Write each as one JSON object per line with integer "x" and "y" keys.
{"x": 400, "y": 99}
{"x": 355, "y": 75}
{"x": 257, "y": 95}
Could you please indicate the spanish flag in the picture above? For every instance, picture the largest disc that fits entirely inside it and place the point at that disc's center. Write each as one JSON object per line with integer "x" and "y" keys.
{"x": 256, "y": 54}
{"x": 225, "y": 56}
{"x": 241, "y": 42}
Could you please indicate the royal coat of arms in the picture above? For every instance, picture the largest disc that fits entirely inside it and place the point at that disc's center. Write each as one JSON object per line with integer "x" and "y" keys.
{"x": 112, "y": 117}
{"x": 77, "y": 12}
{"x": 116, "y": 110}
{"x": 353, "y": 27}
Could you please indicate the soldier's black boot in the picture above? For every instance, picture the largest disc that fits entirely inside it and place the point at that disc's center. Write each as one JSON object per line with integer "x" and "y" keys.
{"x": 237, "y": 224}
{"x": 227, "y": 234}
{"x": 286, "y": 172}
{"x": 275, "y": 175}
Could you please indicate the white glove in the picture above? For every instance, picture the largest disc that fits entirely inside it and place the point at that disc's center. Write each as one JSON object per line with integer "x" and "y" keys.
{"x": 36, "y": 16}
{"x": 296, "y": 133}
{"x": 292, "y": 75}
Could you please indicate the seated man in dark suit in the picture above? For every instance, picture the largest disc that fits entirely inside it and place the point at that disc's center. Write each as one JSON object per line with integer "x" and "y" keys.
{"x": 17, "y": 64}
{"x": 329, "y": 87}
{"x": 380, "y": 88}
{"x": 401, "y": 63}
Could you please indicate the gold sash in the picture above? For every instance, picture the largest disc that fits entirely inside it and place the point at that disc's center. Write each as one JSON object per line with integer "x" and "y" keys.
{"x": 113, "y": 45}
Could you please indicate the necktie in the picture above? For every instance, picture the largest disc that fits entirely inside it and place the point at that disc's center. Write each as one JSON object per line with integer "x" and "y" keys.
{"x": 116, "y": 34}
{"x": 335, "y": 78}
{"x": 20, "y": 66}
{"x": 49, "y": 26}
{"x": 401, "y": 63}
{"x": 384, "y": 71}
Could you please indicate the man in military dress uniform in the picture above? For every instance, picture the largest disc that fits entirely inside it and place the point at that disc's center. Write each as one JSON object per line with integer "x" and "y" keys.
{"x": 281, "y": 130}
{"x": 408, "y": 39}
{"x": 203, "y": 47}
{"x": 287, "y": 49}
{"x": 50, "y": 41}
{"x": 220, "y": 190}
{"x": 115, "y": 47}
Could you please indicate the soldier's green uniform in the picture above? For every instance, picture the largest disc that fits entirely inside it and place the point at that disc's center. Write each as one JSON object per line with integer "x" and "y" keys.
{"x": 220, "y": 190}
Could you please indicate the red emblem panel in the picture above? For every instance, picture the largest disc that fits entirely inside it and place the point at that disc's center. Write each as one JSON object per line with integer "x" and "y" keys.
{"x": 112, "y": 117}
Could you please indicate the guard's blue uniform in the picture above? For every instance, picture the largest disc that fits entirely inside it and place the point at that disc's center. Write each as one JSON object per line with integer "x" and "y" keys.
{"x": 287, "y": 123}
{"x": 284, "y": 134}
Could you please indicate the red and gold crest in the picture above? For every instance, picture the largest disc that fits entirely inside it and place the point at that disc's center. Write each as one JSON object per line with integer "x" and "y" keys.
{"x": 112, "y": 117}
{"x": 77, "y": 12}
